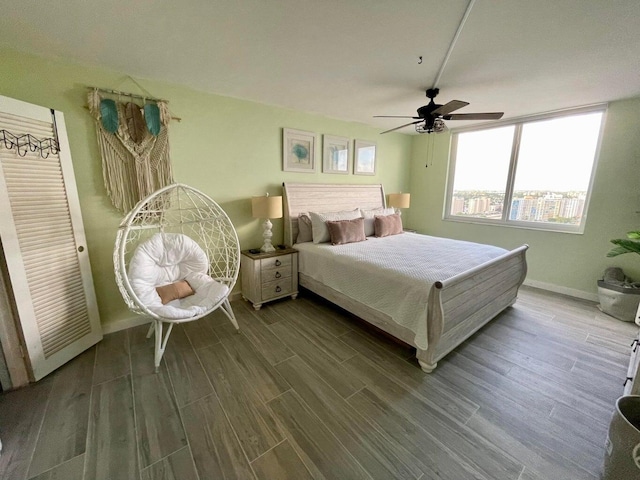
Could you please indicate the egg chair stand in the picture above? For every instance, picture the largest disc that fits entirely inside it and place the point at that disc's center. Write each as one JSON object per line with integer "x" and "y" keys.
{"x": 177, "y": 239}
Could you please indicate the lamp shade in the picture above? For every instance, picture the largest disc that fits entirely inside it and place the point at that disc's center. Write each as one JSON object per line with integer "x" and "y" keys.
{"x": 266, "y": 207}
{"x": 399, "y": 200}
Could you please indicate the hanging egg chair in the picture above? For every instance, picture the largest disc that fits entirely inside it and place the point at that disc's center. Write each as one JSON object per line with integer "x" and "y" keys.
{"x": 176, "y": 259}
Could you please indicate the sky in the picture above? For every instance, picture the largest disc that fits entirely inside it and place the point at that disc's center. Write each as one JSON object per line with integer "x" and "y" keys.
{"x": 555, "y": 155}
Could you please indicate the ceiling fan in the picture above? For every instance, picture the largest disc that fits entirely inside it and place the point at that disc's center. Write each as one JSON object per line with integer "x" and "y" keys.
{"x": 431, "y": 117}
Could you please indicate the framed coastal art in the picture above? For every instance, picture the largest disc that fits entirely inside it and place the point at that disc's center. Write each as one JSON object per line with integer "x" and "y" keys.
{"x": 298, "y": 151}
{"x": 335, "y": 154}
{"x": 365, "y": 158}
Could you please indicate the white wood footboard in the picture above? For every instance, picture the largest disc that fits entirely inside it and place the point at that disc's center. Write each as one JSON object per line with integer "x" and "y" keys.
{"x": 460, "y": 305}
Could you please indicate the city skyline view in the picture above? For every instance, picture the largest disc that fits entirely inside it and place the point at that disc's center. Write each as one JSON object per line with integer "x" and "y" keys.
{"x": 527, "y": 206}
{"x": 547, "y": 165}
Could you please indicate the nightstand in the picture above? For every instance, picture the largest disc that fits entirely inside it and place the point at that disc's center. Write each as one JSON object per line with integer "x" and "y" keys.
{"x": 269, "y": 276}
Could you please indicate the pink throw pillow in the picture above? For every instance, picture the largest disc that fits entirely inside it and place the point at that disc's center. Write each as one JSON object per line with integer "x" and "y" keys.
{"x": 387, "y": 225}
{"x": 346, "y": 231}
{"x": 174, "y": 291}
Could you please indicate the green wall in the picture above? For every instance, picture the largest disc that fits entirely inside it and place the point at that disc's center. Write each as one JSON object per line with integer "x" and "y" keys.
{"x": 228, "y": 148}
{"x": 567, "y": 263}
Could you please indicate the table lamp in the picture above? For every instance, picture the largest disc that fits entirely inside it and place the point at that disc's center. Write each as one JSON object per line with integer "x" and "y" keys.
{"x": 266, "y": 207}
{"x": 399, "y": 200}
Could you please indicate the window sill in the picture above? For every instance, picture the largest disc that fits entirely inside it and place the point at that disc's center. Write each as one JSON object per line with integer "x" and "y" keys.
{"x": 519, "y": 225}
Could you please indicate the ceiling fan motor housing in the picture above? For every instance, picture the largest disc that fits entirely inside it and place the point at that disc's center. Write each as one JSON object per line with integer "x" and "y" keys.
{"x": 425, "y": 111}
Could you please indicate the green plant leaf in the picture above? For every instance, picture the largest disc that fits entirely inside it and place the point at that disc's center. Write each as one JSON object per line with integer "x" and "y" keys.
{"x": 614, "y": 252}
{"x": 635, "y": 234}
{"x": 109, "y": 115}
{"x": 624, "y": 246}
{"x": 633, "y": 245}
{"x": 152, "y": 117}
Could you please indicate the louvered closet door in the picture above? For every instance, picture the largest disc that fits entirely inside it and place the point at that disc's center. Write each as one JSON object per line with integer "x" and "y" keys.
{"x": 43, "y": 240}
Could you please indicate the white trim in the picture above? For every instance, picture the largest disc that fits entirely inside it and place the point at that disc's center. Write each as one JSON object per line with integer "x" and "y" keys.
{"x": 511, "y": 224}
{"x": 572, "y": 292}
{"x": 518, "y": 123}
{"x": 24, "y": 109}
{"x": 124, "y": 324}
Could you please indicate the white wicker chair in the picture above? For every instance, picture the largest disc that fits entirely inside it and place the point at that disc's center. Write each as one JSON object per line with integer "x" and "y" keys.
{"x": 183, "y": 210}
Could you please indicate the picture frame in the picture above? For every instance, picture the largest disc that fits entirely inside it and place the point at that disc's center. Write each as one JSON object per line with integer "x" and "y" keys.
{"x": 336, "y": 155}
{"x": 298, "y": 151}
{"x": 364, "y": 162}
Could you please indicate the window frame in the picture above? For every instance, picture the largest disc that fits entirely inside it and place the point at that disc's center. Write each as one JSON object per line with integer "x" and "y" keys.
{"x": 518, "y": 123}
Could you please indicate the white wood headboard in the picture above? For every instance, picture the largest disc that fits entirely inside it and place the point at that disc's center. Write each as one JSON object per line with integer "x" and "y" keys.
{"x": 321, "y": 197}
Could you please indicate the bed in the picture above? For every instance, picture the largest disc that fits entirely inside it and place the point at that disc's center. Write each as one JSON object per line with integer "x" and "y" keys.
{"x": 429, "y": 292}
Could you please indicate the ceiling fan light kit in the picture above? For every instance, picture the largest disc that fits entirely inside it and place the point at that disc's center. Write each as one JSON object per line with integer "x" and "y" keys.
{"x": 437, "y": 127}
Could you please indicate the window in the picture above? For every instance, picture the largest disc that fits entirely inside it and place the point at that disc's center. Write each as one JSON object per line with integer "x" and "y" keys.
{"x": 535, "y": 173}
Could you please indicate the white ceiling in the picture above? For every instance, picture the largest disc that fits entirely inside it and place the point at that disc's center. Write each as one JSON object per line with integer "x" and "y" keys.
{"x": 351, "y": 59}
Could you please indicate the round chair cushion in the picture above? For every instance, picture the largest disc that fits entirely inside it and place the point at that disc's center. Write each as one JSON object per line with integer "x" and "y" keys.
{"x": 166, "y": 258}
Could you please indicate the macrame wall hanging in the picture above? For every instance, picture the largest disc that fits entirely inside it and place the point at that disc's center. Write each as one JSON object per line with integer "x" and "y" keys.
{"x": 134, "y": 144}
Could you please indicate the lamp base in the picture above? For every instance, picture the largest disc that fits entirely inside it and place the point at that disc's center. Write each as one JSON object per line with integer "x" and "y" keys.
{"x": 267, "y": 247}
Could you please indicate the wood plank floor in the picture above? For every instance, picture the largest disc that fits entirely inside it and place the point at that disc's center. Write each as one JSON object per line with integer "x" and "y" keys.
{"x": 306, "y": 391}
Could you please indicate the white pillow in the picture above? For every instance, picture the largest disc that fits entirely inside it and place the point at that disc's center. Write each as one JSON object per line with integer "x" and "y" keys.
{"x": 319, "y": 227}
{"x": 369, "y": 215}
{"x": 304, "y": 229}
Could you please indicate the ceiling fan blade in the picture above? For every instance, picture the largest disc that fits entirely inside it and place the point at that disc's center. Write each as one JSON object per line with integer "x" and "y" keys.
{"x": 474, "y": 116}
{"x": 449, "y": 107}
{"x": 396, "y": 116}
{"x": 401, "y": 126}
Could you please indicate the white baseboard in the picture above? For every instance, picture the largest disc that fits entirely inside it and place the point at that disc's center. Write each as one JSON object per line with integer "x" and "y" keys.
{"x": 572, "y": 292}
{"x": 136, "y": 320}
{"x": 124, "y": 323}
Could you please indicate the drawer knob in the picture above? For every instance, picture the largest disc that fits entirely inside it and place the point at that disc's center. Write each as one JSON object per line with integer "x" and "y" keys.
{"x": 278, "y": 263}
{"x": 278, "y": 275}
{"x": 278, "y": 289}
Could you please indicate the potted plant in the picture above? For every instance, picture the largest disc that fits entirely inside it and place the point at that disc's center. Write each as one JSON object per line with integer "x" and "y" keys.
{"x": 619, "y": 297}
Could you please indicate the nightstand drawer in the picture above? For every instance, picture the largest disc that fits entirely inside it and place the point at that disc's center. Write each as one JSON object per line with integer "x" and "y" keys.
{"x": 271, "y": 274}
{"x": 276, "y": 288}
{"x": 275, "y": 262}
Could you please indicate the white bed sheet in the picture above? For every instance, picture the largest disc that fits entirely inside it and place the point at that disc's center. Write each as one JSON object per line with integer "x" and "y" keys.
{"x": 393, "y": 274}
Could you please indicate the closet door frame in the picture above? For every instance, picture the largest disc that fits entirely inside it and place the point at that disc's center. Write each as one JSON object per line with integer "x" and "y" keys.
{"x": 40, "y": 364}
